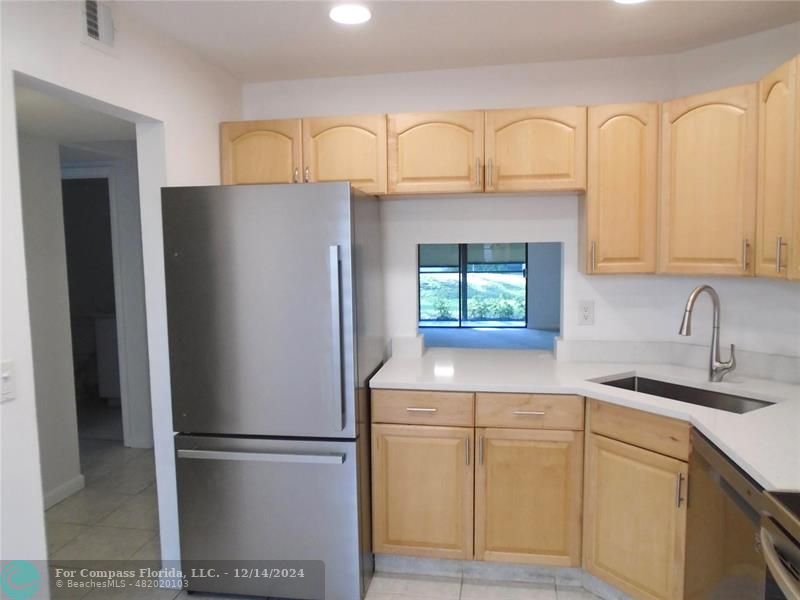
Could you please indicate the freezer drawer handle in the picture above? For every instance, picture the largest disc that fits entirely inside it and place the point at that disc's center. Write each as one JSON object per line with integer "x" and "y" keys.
{"x": 278, "y": 457}
{"x": 336, "y": 334}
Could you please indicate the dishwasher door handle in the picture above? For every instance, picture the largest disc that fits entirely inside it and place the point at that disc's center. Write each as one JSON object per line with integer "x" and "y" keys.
{"x": 335, "y": 458}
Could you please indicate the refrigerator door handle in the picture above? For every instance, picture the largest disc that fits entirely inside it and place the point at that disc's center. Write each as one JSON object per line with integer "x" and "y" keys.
{"x": 336, "y": 333}
{"x": 276, "y": 457}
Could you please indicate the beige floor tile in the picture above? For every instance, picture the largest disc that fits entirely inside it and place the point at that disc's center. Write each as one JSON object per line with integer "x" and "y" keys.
{"x": 131, "y": 478}
{"x": 151, "y": 551}
{"x": 379, "y": 596}
{"x": 386, "y": 584}
{"x": 440, "y": 588}
{"x": 59, "y": 534}
{"x": 483, "y": 590}
{"x": 86, "y": 507}
{"x": 104, "y": 543}
{"x": 138, "y": 512}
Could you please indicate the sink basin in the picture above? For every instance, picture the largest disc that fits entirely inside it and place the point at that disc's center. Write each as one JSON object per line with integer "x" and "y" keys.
{"x": 683, "y": 393}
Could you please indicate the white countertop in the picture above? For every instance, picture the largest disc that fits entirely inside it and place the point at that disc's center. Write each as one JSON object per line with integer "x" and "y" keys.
{"x": 764, "y": 442}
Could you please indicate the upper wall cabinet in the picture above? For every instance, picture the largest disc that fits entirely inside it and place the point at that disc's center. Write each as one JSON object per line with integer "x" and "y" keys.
{"x": 708, "y": 182}
{"x": 435, "y": 152}
{"x": 536, "y": 149}
{"x": 346, "y": 148}
{"x": 778, "y": 195}
{"x": 261, "y": 151}
{"x": 622, "y": 191}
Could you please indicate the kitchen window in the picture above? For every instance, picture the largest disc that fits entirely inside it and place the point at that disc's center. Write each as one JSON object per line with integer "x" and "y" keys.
{"x": 489, "y": 295}
{"x": 473, "y": 285}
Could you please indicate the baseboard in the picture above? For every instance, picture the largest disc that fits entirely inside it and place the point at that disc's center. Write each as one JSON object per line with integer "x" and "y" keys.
{"x": 65, "y": 490}
{"x": 563, "y": 577}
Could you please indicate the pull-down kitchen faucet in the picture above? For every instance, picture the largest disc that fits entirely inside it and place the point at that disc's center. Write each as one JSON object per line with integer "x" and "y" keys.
{"x": 716, "y": 368}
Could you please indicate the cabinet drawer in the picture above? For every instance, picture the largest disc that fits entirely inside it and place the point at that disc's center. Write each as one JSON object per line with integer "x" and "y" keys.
{"x": 530, "y": 411}
{"x": 652, "y": 432}
{"x": 423, "y": 408}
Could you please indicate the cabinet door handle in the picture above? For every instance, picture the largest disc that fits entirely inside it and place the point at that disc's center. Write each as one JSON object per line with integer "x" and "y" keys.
{"x": 490, "y": 174}
{"x": 746, "y": 254}
{"x": 528, "y": 413}
{"x": 477, "y": 171}
{"x": 466, "y": 450}
{"x": 679, "y": 490}
{"x": 480, "y": 450}
{"x": 296, "y": 177}
{"x": 778, "y": 251}
{"x": 307, "y": 174}
{"x": 416, "y": 409}
{"x": 593, "y": 257}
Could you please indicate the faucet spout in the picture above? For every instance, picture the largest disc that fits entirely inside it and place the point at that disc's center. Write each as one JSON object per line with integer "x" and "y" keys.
{"x": 717, "y": 369}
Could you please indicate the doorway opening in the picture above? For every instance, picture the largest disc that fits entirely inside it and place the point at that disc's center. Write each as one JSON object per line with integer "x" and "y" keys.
{"x": 79, "y": 180}
{"x": 92, "y": 307}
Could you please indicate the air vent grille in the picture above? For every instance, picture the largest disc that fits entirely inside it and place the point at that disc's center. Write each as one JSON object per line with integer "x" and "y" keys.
{"x": 92, "y": 20}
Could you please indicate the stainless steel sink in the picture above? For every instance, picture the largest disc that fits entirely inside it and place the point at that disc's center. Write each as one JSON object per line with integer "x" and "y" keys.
{"x": 683, "y": 393}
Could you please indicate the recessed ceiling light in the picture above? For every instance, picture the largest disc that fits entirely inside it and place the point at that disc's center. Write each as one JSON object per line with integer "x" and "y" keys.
{"x": 629, "y": 1}
{"x": 350, "y": 14}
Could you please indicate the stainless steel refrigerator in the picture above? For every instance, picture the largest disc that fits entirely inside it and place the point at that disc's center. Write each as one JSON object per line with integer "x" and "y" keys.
{"x": 275, "y": 320}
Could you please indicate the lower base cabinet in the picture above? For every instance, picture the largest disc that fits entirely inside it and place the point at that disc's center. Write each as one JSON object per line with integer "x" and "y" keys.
{"x": 528, "y": 485}
{"x": 422, "y": 490}
{"x": 635, "y": 518}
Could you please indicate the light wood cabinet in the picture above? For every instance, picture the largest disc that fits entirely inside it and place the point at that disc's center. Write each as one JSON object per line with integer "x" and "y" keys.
{"x": 346, "y": 149}
{"x": 261, "y": 151}
{"x": 635, "y": 519}
{"x": 528, "y": 496}
{"x": 422, "y": 490}
{"x": 622, "y": 190}
{"x": 708, "y": 182}
{"x": 435, "y": 152}
{"x": 778, "y": 177}
{"x": 536, "y": 149}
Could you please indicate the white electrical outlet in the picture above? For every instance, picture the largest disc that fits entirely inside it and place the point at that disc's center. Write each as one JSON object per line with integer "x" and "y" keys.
{"x": 586, "y": 312}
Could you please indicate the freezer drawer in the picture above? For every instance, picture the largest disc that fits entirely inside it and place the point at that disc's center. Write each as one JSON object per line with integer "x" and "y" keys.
{"x": 269, "y": 500}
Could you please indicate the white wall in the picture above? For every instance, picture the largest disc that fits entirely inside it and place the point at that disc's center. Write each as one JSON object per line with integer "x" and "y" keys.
{"x": 544, "y": 286}
{"x": 758, "y": 315}
{"x": 148, "y": 79}
{"x": 43, "y": 221}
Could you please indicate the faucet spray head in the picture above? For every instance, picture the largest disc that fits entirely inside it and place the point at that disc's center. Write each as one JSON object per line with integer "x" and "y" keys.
{"x": 686, "y": 323}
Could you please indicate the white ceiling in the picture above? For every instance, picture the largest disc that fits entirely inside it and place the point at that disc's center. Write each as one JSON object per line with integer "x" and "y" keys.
{"x": 46, "y": 116}
{"x": 273, "y": 40}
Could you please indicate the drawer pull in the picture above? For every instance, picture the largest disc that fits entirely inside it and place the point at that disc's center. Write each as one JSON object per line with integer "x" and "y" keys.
{"x": 528, "y": 413}
{"x": 421, "y": 410}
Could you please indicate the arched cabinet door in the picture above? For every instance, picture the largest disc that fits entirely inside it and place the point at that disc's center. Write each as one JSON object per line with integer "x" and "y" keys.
{"x": 622, "y": 193}
{"x": 346, "y": 148}
{"x": 261, "y": 151}
{"x": 708, "y": 183}
{"x": 776, "y": 253}
{"x": 537, "y": 149}
{"x": 435, "y": 152}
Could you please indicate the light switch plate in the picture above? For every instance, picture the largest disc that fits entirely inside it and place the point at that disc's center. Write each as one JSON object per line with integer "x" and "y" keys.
{"x": 586, "y": 312}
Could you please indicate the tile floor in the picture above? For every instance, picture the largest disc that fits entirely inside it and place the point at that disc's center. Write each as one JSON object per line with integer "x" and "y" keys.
{"x": 408, "y": 587}
{"x": 115, "y": 518}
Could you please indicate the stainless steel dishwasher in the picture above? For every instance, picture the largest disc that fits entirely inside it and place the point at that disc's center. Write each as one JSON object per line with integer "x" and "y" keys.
{"x": 736, "y": 548}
